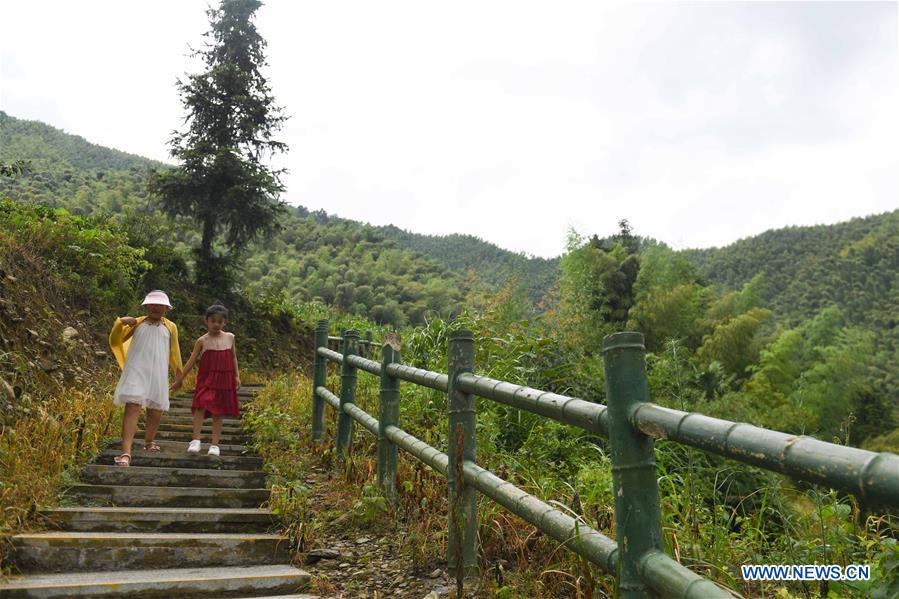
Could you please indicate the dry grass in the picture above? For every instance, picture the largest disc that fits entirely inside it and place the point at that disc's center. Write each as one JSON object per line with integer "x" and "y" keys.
{"x": 45, "y": 448}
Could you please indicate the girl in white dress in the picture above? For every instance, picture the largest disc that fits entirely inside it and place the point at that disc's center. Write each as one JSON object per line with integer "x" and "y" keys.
{"x": 145, "y": 348}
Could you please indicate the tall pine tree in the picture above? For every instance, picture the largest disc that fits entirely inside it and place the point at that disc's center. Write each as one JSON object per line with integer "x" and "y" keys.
{"x": 223, "y": 180}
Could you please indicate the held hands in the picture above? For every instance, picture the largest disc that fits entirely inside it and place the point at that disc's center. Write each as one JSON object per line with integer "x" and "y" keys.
{"x": 175, "y": 386}
{"x": 128, "y": 320}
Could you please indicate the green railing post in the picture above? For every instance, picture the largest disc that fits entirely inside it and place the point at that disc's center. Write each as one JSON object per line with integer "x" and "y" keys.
{"x": 366, "y": 347}
{"x": 461, "y": 542}
{"x": 389, "y": 414}
{"x": 319, "y": 379}
{"x": 347, "y": 392}
{"x": 637, "y": 513}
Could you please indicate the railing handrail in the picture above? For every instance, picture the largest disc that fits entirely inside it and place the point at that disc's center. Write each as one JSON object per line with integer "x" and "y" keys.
{"x": 872, "y": 476}
{"x": 361, "y": 341}
{"x": 580, "y": 537}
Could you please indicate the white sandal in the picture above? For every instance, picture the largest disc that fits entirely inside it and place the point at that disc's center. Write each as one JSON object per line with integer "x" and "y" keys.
{"x": 194, "y": 446}
{"x": 213, "y": 450}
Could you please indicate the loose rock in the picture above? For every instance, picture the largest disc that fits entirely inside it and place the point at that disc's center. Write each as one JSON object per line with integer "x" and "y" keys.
{"x": 317, "y": 555}
{"x": 69, "y": 333}
{"x": 7, "y": 388}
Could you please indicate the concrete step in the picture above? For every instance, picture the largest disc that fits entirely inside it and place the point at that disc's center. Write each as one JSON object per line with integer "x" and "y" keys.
{"x": 163, "y": 435}
{"x": 184, "y": 406}
{"x": 180, "y": 447}
{"x": 187, "y": 429}
{"x": 181, "y": 459}
{"x": 78, "y": 551}
{"x": 100, "y": 474}
{"x": 158, "y": 519}
{"x": 161, "y": 584}
{"x": 186, "y": 413}
{"x": 187, "y": 400}
{"x": 185, "y": 436}
{"x": 243, "y": 391}
{"x": 134, "y": 496}
{"x": 189, "y": 397}
{"x": 187, "y": 420}
{"x": 241, "y": 396}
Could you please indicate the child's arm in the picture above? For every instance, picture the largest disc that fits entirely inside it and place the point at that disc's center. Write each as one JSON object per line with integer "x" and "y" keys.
{"x": 119, "y": 336}
{"x": 198, "y": 348}
{"x": 236, "y": 370}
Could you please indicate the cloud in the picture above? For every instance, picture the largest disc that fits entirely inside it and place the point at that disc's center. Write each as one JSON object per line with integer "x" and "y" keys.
{"x": 699, "y": 122}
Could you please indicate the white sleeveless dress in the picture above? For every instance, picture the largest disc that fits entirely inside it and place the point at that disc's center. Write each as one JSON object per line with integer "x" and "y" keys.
{"x": 145, "y": 378}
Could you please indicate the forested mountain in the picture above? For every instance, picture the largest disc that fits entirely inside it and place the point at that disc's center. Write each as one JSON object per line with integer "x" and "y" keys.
{"x": 853, "y": 265}
{"x": 344, "y": 263}
{"x": 494, "y": 265}
{"x": 398, "y": 276}
{"x": 45, "y": 145}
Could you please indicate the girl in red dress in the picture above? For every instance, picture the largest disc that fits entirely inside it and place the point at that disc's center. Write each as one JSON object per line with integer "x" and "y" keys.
{"x": 217, "y": 381}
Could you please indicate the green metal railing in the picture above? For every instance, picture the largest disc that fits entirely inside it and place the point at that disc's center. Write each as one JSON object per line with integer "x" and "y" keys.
{"x": 630, "y": 422}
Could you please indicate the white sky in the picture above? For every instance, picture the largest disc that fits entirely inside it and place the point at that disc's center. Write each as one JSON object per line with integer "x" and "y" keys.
{"x": 701, "y": 123}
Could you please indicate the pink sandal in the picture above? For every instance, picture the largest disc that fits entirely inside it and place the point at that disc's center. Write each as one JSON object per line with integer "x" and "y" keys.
{"x": 152, "y": 446}
{"x": 123, "y": 460}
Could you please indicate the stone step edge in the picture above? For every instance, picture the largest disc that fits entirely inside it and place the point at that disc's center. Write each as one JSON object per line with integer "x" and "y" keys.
{"x": 131, "y": 581}
{"x": 230, "y": 511}
{"x": 145, "y": 538}
{"x": 206, "y": 428}
{"x": 177, "y": 454}
{"x": 147, "y": 470}
{"x": 178, "y": 446}
{"x": 189, "y": 490}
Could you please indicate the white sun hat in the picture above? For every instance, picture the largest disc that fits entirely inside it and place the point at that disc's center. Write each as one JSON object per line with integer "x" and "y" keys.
{"x": 157, "y": 297}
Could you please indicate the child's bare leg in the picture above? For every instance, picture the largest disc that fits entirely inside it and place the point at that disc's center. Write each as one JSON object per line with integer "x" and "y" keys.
{"x": 152, "y": 425}
{"x": 199, "y": 416}
{"x": 217, "y": 422}
{"x": 129, "y": 425}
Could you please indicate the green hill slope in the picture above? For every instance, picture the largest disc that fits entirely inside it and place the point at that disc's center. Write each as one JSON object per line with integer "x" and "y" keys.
{"x": 853, "y": 265}
{"x": 397, "y": 276}
{"x": 51, "y": 148}
{"x": 495, "y": 266}
{"x": 343, "y": 263}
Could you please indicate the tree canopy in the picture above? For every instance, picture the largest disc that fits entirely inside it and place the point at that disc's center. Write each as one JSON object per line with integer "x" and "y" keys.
{"x": 222, "y": 180}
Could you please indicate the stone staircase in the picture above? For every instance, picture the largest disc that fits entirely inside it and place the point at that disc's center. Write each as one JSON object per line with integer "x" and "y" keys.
{"x": 171, "y": 525}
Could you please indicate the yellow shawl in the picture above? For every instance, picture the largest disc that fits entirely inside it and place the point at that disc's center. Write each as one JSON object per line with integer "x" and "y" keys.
{"x": 120, "y": 340}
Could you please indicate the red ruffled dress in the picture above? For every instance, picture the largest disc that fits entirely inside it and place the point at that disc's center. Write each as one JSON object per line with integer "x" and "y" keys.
{"x": 216, "y": 390}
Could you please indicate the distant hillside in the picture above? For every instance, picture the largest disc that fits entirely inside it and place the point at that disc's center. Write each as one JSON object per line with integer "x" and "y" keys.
{"x": 853, "y": 264}
{"x": 398, "y": 276}
{"x": 494, "y": 265}
{"x": 48, "y": 147}
{"x": 344, "y": 263}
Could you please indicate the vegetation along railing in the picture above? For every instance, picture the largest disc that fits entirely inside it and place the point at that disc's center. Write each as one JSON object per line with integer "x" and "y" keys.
{"x": 629, "y": 421}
